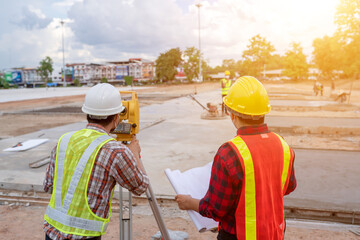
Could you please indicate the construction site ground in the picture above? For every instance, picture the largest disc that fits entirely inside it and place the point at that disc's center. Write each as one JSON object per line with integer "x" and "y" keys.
{"x": 325, "y": 135}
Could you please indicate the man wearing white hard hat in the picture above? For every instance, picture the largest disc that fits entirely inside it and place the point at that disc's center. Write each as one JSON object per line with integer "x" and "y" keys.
{"x": 85, "y": 167}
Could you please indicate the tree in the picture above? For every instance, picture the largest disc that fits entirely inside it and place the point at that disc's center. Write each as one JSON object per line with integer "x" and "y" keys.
{"x": 258, "y": 54}
{"x": 347, "y": 19}
{"x": 277, "y": 62}
{"x": 45, "y": 69}
{"x": 327, "y": 52}
{"x": 76, "y": 82}
{"x": 229, "y": 65}
{"x": 295, "y": 63}
{"x": 191, "y": 63}
{"x": 206, "y": 69}
{"x": 3, "y": 83}
{"x": 166, "y": 64}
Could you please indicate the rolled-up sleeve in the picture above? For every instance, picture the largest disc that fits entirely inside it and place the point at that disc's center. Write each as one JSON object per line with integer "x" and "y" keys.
{"x": 224, "y": 187}
{"x": 292, "y": 181}
{"x": 126, "y": 172}
{"x": 49, "y": 176}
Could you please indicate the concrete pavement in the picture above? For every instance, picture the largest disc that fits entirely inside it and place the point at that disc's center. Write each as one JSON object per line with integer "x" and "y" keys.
{"x": 183, "y": 141}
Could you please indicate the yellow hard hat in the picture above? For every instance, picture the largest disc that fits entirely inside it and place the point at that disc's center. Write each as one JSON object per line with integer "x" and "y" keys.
{"x": 227, "y": 73}
{"x": 248, "y": 96}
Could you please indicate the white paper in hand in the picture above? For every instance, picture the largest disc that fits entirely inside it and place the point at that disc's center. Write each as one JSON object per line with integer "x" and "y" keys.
{"x": 194, "y": 182}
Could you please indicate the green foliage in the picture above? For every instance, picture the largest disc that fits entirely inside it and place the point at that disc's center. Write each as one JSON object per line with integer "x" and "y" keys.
{"x": 4, "y": 84}
{"x": 347, "y": 19}
{"x": 191, "y": 63}
{"x": 206, "y": 70}
{"x": 295, "y": 63}
{"x": 229, "y": 65}
{"x": 104, "y": 80}
{"x": 327, "y": 52}
{"x": 128, "y": 80}
{"x": 76, "y": 82}
{"x": 166, "y": 64}
{"x": 277, "y": 62}
{"x": 45, "y": 69}
{"x": 258, "y": 54}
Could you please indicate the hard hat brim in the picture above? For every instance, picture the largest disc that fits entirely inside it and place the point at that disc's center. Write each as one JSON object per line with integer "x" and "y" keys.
{"x": 96, "y": 112}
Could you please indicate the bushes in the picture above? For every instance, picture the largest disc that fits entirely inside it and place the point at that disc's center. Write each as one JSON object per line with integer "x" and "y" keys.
{"x": 76, "y": 82}
{"x": 4, "y": 84}
{"x": 128, "y": 80}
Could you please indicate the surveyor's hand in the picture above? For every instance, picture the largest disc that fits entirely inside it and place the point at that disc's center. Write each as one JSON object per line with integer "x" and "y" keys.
{"x": 134, "y": 147}
{"x": 186, "y": 202}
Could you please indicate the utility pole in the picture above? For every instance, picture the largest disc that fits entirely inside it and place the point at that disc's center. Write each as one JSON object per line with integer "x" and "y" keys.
{"x": 200, "y": 73}
{"x": 264, "y": 70}
{"x": 63, "y": 68}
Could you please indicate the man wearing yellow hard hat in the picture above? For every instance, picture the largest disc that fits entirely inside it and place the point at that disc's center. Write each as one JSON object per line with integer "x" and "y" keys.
{"x": 225, "y": 86}
{"x": 250, "y": 174}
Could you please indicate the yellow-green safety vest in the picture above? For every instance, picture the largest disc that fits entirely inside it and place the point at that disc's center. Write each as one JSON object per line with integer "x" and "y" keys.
{"x": 68, "y": 210}
{"x": 227, "y": 83}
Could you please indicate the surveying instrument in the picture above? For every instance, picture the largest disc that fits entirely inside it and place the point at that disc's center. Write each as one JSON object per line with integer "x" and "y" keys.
{"x": 129, "y": 126}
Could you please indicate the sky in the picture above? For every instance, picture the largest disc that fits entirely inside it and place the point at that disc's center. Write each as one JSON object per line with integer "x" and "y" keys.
{"x": 116, "y": 30}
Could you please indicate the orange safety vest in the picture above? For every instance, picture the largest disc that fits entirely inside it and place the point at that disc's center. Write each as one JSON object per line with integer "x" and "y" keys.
{"x": 266, "y": 161}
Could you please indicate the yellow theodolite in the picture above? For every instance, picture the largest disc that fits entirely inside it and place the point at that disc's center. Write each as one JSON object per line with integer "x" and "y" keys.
{"x": 128, "y": 127}
{"x": 129, "y": 117}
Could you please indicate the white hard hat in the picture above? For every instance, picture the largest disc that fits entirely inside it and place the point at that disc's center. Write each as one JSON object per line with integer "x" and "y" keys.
{"x": 102, "y": 100}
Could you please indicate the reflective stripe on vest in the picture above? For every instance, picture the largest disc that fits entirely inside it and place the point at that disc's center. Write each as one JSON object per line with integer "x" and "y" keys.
{"x": 60, "y": 212}
{"x": 248, "y": 199}
{"x": 227, "y": 83}
{"x": 285, "y": 175}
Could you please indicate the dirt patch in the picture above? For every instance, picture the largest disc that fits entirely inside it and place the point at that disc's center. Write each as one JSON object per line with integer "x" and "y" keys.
{"x": 17, "y": 124}
{"x": 40, "y": 103}
{"x": 144, "y": 226}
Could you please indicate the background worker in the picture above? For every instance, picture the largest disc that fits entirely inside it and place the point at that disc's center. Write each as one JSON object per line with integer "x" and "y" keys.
{"x": 85, "y": 167}
{"x": 250, "y": 173}
{"x": 225, "y": 86}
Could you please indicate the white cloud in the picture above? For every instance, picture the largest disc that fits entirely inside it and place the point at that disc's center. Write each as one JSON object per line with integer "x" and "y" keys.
{"x": 118, "y": 29}
{"x": 32, "y": 18}
{"x": 66, "y": 3}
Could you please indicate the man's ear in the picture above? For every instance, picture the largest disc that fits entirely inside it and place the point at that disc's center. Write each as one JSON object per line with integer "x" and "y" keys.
{"x": 232, "y": 116}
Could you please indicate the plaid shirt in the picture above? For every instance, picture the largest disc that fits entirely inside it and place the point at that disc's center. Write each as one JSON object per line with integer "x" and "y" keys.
{"x": 222, "y": 197}
{"x": 114, "y": 163}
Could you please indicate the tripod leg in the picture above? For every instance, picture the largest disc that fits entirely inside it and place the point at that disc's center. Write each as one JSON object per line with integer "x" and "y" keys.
{"x": 125, "y": 222}
{"x": 157, "y": 214}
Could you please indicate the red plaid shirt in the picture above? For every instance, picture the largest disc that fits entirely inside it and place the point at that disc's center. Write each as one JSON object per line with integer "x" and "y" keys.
{"x": 114, "y": 163}
{"x": 222, "y": 197}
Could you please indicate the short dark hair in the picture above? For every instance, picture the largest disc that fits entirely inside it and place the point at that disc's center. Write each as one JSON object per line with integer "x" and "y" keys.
{"x": 103, "y": 122}
{"x": 251, "y": 120}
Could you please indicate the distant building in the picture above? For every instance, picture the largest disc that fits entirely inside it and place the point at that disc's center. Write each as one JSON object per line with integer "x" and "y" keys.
{"x": 180, "y": 74}
{"x": 30, "y": 75}
{"x": 108, "y": 71}
{"x": 140, "y": 69}
{"x": 86, "y": 72}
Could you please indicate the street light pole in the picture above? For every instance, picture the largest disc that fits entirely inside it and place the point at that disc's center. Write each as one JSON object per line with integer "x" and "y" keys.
{"x": 63, "y": 68}
{"x": 200, "y": 73}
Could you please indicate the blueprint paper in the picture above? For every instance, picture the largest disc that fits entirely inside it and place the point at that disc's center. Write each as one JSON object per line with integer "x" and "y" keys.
{"x": 194, "y": 182}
